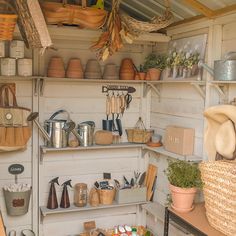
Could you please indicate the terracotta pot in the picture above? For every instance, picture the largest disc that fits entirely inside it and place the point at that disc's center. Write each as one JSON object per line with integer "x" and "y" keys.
{"x": 93, "y": 70}
{"x": 74, "y": 69}
{"x": 127, "y": 71}
{"x": 110, "y": 72}
{"x": 140, "y": 76}
{"x": 127, "y": 76}
{"x": 182, "y": 198}
{"x": 56, "y": 68}
{"x": 153, "y": 74}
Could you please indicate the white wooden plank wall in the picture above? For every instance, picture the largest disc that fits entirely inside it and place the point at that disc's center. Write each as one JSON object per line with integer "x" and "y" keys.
{"x": 24, "y": 99}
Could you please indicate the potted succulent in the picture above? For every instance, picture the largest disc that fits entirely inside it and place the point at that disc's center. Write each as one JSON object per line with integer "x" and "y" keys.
{"x": 154, "y": 64}
{"x": 140, "y": 74}
{"x": 184, "y": 178}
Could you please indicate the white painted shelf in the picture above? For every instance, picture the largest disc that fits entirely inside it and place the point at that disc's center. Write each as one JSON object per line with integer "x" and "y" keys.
{"x": 45, "y": 211}
{"x": 223, "y": 81}
{"x": 44, "y": 149}
{"x": 161, "y": 150}
{"x": 16, "y": 78}
{"x": 156, "y": 210}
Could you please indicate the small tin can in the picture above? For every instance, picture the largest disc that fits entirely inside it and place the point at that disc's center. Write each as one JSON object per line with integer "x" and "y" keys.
{"x": 2, "y": 49}
{"x": 8, "y": 66}
{"x": 24, "y": 67}
{"x": 17, "y": 48}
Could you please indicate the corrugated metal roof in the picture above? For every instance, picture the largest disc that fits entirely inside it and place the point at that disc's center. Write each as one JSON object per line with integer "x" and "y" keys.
{"x": 146, "y": 9}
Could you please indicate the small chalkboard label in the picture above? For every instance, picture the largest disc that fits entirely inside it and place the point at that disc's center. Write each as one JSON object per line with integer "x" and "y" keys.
{"x": 16, "y": 169}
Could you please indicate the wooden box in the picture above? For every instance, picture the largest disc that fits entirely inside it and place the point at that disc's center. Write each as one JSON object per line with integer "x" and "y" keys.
{"x": 131, "y": 195}
{"x": 179, "y": 140}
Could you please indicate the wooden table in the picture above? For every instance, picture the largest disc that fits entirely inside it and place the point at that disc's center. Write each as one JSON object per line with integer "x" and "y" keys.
{"x": 194, "y": 221}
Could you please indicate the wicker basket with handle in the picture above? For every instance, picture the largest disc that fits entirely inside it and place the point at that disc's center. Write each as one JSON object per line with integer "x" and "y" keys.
{"x": 219, "y": 190}
{"x": 7, "y": 20}
{"x": 63, "y": 13}
{"x": 139, "y": 134}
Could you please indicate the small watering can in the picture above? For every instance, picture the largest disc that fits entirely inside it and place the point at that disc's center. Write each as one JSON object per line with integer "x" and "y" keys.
{"x": 223, "y": 69}
{"x": 55, "y": 131}
{"x": 86, "y": 133}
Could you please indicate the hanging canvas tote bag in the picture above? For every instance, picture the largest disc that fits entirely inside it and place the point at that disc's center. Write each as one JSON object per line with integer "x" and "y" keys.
{"x": 63, "y": 13}
{"x": 14, "y": 129}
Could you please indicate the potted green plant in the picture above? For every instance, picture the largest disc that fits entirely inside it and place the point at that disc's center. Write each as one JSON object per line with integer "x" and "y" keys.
{"x": 140, "y": 74}
{"x": 154, "y": 64}
{"x": 184, "y": 178}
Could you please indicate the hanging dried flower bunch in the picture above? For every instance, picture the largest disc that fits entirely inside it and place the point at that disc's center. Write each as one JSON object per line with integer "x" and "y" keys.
{"x": 110, "y": 40}
{"x": 122, "y": 27}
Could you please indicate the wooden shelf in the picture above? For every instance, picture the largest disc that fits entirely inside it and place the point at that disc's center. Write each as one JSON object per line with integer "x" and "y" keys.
{"x": 17, "y": 78}
{"x": 155, "y": 209}
{"x": 198, "y": 85}
{"x": 45, "y": 211}
{"x": 195, "y": 219}
{"x": 44, "y": 149}
{"x": 161, "y": 150}
{"x": 223, "y": 82}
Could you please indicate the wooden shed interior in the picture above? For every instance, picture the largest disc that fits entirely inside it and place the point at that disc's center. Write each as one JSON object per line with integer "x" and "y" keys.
{"x": 206, "y": 26}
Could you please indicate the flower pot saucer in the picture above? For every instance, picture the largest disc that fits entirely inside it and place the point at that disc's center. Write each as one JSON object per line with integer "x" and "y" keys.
{"x": 182, "y": 210}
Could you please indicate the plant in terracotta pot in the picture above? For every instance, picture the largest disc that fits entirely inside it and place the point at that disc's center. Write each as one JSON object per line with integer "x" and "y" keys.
{"x": 184, "y": 178}
{"x": 140, "y": 74}
{"x": 154, "y": 64}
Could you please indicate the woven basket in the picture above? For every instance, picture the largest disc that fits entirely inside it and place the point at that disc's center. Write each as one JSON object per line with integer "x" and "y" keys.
{"x": 106, "y": 196}
{"x": 32, "y": 24}
{"x": 139, "y": 135}
{"x": 138, "y": 27}
{"x": 7, "y": 21}
{"x": 219, "y": 190}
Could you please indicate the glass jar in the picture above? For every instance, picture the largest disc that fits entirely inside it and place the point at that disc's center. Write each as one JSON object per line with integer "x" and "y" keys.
{"x": 80, "y": 195}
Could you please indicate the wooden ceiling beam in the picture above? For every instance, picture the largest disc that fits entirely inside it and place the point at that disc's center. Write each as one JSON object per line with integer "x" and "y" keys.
{"x": 200, "y": 7}
{"x": 224, "y": 10}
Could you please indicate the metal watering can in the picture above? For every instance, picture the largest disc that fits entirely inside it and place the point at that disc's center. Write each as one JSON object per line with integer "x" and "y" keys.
{"x": 223, "y": 69}
{"x": 55, "y": 131}
{"x": 86, "y": 133}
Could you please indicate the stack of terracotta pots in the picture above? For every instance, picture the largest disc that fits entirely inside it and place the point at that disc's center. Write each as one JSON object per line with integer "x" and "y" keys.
{"x": 110, "y": 72}
{"x": 93, "y": 70}
{"x": 56, "y": 68}
{"x": 127, "y": 69}
{"x": 74, "y": 69}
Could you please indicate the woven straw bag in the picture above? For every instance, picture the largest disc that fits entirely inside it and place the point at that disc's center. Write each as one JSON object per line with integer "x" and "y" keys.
{"x": 219, "y": 190}
{"x": 7, "y": 20}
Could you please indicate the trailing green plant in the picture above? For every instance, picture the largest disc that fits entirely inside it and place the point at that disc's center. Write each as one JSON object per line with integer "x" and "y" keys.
{"x": 157, "y": 61}
{"x": 141, "y": 68}
{"x": 183, "y": 174}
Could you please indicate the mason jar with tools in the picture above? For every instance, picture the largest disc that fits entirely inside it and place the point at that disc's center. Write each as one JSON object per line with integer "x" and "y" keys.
{"x": 80, "y": 194}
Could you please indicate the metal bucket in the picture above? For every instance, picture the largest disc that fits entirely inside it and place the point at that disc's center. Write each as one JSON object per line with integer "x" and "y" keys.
{"x": 86, "y": 133}
{"x": 17, "y": 203}
{"x": 225, "y": 70}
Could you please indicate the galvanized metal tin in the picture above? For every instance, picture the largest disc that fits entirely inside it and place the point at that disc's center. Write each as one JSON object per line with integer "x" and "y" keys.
{"x": 225, "y": 70}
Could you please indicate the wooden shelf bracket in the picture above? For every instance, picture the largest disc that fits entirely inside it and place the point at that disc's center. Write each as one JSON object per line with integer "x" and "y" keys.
{"x": 222, "y": 90}
{"x": 200, "y": 88}
{"x": 148, "y": 86}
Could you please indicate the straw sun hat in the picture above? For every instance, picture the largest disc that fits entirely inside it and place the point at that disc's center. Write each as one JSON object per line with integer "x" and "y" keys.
{"x": 219, "y": 135}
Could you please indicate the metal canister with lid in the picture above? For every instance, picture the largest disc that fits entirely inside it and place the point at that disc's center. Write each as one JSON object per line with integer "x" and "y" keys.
{"x": 80, "y": 195}
{"x": 17, "y": 49}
